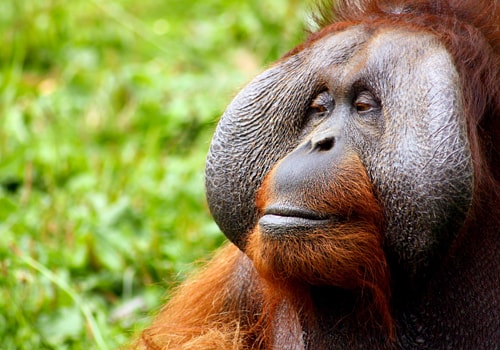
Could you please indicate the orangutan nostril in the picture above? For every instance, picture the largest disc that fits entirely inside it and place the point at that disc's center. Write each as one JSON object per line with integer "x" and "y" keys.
{"x": 324, "y": 144}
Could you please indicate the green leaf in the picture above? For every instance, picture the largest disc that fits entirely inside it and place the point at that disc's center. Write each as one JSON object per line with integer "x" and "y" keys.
{"x": 62, "y": 325}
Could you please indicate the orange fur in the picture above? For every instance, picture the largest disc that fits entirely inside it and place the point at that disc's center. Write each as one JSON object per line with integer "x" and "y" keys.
{"x": 348, "y": 255}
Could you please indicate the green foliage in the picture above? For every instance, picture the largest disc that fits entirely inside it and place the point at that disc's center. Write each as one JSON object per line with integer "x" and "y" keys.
{"x": 107, "y": 111}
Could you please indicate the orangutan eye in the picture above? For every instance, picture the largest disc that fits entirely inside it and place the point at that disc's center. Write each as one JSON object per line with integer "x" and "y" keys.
{"x": 365, "y": 102}
{"x": 321, "y": 105}
{"x": 363, "y": 107}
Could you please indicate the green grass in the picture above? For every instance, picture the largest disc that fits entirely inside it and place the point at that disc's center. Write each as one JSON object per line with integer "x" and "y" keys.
{"x": 107, "y": 109}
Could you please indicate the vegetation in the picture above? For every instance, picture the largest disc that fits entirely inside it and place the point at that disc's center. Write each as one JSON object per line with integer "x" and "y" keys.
{"x": 107, "y": 109}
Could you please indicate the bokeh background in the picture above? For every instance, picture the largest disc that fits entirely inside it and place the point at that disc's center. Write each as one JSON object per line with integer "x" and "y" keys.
{"x": 106, "y": 112}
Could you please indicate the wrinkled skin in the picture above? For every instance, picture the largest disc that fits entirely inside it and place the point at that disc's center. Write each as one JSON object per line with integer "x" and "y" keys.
{"x": 412, "y": 141}
{"x": 393, "y": 98}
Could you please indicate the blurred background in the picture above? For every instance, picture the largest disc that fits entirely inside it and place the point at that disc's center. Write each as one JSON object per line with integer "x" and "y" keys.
{"x": 106, "y": 113}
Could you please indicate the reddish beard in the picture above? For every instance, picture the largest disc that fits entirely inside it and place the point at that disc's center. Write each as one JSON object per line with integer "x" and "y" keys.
{"x": 347, "y": 254}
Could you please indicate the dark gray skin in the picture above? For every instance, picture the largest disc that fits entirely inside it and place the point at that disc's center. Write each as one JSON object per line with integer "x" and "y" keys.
{"x": 394, "y": 98}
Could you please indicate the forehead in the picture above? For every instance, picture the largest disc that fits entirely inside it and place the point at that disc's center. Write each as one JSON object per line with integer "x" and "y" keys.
{"x": 345, "y": 43}
{"x": 386, "y": 53}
